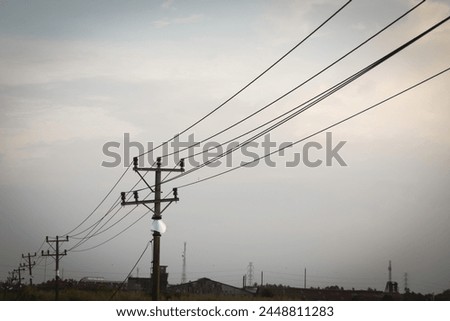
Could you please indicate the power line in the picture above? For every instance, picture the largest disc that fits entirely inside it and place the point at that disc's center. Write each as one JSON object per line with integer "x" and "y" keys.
{"x": 248, "y": 132}
{"x": 94, "y": 226}
{"x": 252, "y": 81}
{"x": 292, "y": 90}
{"x": 88, "y": 235}
{"x": 111, "y": 238}
{"x": 100, "y": 231}
{"x": 320, "y": 131}
{"x": 313, "y": 101}
{"x": 211, "y": 112}
{"x": 132, "y": 269}
{"x": 207, "y": 115}
{"x": 109, "y": 227}
{"x": 101, "y": 202}
{"x": 115, "y": 204}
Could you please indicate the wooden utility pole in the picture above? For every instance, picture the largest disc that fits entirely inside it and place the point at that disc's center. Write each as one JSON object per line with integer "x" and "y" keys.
{"x": 304, "y": 280}
{"x": 157, "y": 212}
{"x": 183, "y": 273}
{"x": 29, "y": 265}
{"x": 57, "y": 255}
{"x": 19, "y": 270}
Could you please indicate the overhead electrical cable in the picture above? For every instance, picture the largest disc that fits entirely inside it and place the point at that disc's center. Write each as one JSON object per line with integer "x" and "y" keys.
{"x": 318, "y": 132}
{"x": 113, "y": 237}
{"x": 101, "y": 230}
{"x": 211, "y": 112}
{"x": 132, "y": 269}
{"x": 292, "y": 90}
{"x": 251, "y": 82}
{"x": 110, "y": 218}
{"x": 116, "y": 203}
{"x": 101, "y": 202}
{"x": 92, "y": 233}
{"x": 93, "y": 225}
{"x": 313, "y": 101}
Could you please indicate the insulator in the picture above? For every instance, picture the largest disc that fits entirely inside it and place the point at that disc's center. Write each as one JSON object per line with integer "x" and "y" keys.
{"x": 175, "y": 192}
{"x": 122, "y": 195}
{"x": 136, "y": 196}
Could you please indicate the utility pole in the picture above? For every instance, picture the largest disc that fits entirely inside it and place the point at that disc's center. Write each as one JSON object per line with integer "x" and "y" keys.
{"x": 29, "y": 265}
{"x": 57, "y": 255}
{"x": 406, "y": 283}
{"x": 304, "y": 280}
{"x": 183, "y": 274}
{"x": 157, "y": 226}
{"x": 390, "y": 271}
{"x": 19, "y": 270}
{"x": 12, "y": 277}
{"x": 262, "y": 278}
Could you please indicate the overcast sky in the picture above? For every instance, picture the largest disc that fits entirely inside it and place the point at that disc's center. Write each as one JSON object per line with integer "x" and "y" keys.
{"x": 76, "y": 75}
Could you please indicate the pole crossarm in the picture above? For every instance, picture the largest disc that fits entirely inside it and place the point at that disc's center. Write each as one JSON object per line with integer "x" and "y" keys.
{"x": 142, "y": 169}
{"x": 167, "y": 200}
{"x": 158, "y": 168}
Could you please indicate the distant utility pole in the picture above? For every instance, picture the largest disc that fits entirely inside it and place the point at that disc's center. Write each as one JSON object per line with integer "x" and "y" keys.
{"x": 390, "y": 271}
{"x": 183, "y": 274}
{"x": 157, "y": 226}
{"x": 406, "y": 283}
{"x": 57, "y": 255}
{"x": 10, "y": 278}
{"x": 304, "y": 280}
{"x": 19, "y": 270}
{"x": 29, "y": 265}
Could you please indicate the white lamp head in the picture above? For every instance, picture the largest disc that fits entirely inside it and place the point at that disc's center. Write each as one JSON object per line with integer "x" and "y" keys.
{"x": 158, "y": 226}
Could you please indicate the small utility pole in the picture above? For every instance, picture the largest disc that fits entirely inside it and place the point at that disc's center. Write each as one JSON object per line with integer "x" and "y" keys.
{"x": 304, "y": 280}
{"x": 390, "y": 272}
{"x": 29, "y": 265}
{"x": 406, "y": 283}
{"x": 57, "y": 255}
{"x": 183, "y": 274}
{"x": 19, "y": 270}
{"x": 157, "y": 212}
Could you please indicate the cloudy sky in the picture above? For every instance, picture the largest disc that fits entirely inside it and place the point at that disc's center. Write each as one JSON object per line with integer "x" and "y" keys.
{"x": 76, "y": 75}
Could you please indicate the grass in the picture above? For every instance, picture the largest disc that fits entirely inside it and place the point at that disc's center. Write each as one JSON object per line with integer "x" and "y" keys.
{"x": 34, "y": 294}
